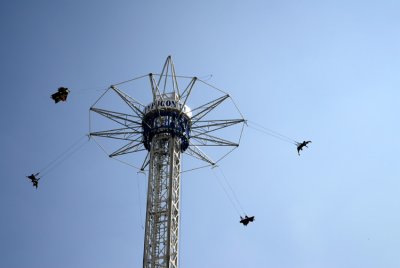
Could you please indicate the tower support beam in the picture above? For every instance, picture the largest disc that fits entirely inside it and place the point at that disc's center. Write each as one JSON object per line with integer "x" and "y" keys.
{"x": 162, "y": 213}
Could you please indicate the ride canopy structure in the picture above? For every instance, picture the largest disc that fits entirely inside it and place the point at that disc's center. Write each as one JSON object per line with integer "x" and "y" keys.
{"x": 152, "y": 131}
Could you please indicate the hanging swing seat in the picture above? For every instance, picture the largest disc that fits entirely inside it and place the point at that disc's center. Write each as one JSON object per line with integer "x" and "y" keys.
{"x": 60, "y": 95}
{"x": 246, "y": 220}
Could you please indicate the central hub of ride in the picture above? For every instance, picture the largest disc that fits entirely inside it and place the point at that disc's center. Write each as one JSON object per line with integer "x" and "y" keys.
{"x": 167, "y": 115}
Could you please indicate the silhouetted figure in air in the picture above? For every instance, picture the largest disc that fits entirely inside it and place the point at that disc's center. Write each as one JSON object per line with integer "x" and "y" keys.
{"x": 60, "y": 95}
{"x": 246, "y": 220}
{"x": 34, "y": 179}
{"x": 301, "y": 145}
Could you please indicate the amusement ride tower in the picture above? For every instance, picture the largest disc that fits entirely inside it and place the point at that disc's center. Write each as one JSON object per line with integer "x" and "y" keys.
{"x": 163, "y": 129}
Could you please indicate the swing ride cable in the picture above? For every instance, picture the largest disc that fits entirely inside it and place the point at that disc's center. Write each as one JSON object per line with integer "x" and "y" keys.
{"x": 236, "y": 205}
{"x": 206, "y": 77}
{"x": 114, "y": 158}
{"x": 226, "y": 193}
{"x": 63, "y": 159}
{"x": 139, "y": 199}
{"x": 270, "y": 132}
{"x": 130, "y": 80}
{"x": 138, "y": 182}
{"x": 79, "y": 91}
{"x": 232, "y": 191}
{"x": 63, "y": 156}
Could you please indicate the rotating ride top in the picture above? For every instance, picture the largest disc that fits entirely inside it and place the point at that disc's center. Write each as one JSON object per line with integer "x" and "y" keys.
{"x": 166, "y": 125}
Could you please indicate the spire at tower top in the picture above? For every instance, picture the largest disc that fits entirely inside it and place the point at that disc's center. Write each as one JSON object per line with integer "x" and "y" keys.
{"x": 165, "y": 83}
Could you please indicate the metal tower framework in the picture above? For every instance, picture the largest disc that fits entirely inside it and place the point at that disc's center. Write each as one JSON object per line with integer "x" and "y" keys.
{"x": 165, "y": 129}
{"x": 162, "y": 215}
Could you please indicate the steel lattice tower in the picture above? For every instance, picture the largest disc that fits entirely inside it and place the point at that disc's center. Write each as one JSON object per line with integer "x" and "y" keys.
{"x": 165, "y": 129}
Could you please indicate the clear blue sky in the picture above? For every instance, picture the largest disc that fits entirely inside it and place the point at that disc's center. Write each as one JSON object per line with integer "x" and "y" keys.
{"x": 321, "y": 70}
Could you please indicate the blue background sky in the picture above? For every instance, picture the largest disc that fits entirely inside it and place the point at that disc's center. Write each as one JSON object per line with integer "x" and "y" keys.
{"x": 320, "y": 70}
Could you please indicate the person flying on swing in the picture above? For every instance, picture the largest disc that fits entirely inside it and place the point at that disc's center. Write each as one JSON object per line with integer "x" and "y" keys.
{"x": 60, "y": 95}
{"x": 34, "y": 179}
{"x": 301, "y": 145}
{"x": 246, "y": 220}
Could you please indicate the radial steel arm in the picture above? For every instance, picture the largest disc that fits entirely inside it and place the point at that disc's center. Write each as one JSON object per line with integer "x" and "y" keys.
{"x": 210, "y": 140}
{"x": 214, "y": 125}
{"x": 203, "y": 110}
{"x": 120, "y": 118}
{"x": 168, "y": 68}
{"x": 127, "y": 134}
{"x": 131, "y": 147}
{"x": 195, "y": 152}
{"x": 136, "y": 106}
{"x": 146, "y": 161}
{"x": 154, "y": 87}
{"x": 187, "y": 91}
